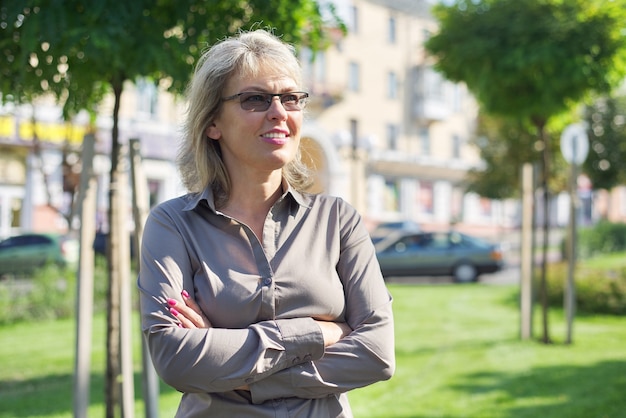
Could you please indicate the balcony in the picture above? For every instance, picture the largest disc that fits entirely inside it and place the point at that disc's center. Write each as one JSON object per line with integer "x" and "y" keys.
{"x": 323, "y": 96}
{"x": 429, "y": 98}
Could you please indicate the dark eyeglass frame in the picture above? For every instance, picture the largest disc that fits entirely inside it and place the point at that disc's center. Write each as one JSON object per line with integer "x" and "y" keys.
{"x": 262, "y": 105}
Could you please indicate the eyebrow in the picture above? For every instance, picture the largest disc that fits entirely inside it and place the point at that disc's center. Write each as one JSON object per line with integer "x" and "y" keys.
{"x": 265, "y": 90}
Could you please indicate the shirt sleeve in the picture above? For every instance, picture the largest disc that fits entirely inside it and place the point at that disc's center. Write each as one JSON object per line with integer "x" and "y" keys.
{"x": 214, "y": 359}
{"x": 366, "y": 355}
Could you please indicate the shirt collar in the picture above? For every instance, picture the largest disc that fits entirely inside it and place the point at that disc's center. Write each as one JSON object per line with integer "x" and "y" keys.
{"x": 194, "y": 199}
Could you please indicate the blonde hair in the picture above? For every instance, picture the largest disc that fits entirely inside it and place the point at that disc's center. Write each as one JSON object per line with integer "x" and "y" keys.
{"x": 199, "y": 158}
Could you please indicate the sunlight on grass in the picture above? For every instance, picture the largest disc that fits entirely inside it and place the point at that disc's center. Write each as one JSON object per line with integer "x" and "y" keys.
{"x": 458, "y": 355}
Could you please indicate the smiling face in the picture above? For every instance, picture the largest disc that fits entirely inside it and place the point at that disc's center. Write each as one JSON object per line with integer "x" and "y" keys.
{"x": 257, "y": 142}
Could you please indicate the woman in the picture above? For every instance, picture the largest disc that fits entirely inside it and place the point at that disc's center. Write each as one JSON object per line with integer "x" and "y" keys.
{"x": 258, "y": 299}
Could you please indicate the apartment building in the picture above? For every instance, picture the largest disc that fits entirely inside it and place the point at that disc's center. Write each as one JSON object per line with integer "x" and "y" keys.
{"x": 393, "y": 132}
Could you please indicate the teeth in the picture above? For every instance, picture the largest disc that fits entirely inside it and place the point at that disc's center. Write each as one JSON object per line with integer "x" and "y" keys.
{"x": 275, "y": 135}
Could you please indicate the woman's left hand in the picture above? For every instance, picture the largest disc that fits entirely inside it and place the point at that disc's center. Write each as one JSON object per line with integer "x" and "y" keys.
{"x": 189, "y": 314}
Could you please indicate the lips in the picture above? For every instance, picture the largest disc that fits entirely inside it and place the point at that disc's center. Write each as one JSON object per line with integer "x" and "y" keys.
{"x": 275, "y": 138}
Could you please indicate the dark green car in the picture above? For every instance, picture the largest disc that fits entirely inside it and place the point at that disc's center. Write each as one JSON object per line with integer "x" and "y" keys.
{"x": 21, "y": 255}
{"x": 438, "y": 254}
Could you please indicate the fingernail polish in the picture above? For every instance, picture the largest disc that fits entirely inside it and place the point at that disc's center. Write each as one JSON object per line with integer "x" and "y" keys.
{"x": 173, "y": 311}
{"x": 185, "y": 294}
{"x": 171, "y": 302}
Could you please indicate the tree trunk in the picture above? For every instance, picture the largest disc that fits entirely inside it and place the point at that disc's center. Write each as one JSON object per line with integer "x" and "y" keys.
{"x": 113, "y": 367}
{"x": 545, "y": 175}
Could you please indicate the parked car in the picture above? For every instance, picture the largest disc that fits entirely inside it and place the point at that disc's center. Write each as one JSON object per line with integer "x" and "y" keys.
{"x": 385, "y": 229}
{"x": 448, "y": 253}
{"x": 23, "y": 254}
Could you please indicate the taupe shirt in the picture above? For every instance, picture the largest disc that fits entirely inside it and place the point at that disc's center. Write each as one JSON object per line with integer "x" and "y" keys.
{"x": 316, "y": 261}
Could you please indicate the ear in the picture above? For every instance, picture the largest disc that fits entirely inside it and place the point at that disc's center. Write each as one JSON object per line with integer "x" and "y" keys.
{"x": 213, "y": 132}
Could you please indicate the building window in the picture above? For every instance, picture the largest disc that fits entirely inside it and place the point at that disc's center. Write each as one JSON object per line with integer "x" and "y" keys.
{"x": 391, "y": 35}
{"x": 154, "y": 191}
{"x": 485, "y": 207}
{"x": 457, "y": 98}
{"x": 433, "y": 84}
{"x": 313, "y": 66}
{"x": 306, "y": 61}
{"x": 456, "y": 146}
{"x": 354, "y": 12}
{"x": 424, "y": 141}
{"x": 353, "y": 78}
{"x": 426, "y": 199}
{"x": 354, "y": 133}
{"x": 392, "y": 85}
{"x": 146, "y": 98}
{"x": 16, "y": 211}
{"x": 392, "y": 136}
{"x": 391, "y": 197}
{"x": 320, "y": 67}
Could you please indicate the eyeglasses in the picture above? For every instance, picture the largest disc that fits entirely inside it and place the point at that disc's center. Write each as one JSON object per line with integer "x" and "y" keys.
{"x": 259, "y": 102}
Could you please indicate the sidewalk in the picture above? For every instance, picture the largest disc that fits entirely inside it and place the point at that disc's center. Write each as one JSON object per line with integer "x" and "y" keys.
{"x": 511, "y": 243}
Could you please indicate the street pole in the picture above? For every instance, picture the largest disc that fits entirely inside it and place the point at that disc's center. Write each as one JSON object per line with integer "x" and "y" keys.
{"x": 574, "y": 147}
{"x": 570, "y": 288}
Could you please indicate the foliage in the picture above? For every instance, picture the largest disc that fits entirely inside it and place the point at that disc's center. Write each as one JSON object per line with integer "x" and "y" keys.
{"x": 529, "y": 58}
{"x": 76, "y": 49}
{"x": 505, "y": 145}
{"x": 606, "y": 162}
{"x": 603, "y": 238}
{"x": 598, "y": 290}
{"x": 50, "y": 294}
{"x": 527, "y": 62}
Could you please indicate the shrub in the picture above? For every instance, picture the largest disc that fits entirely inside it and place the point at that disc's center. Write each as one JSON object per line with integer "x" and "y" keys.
{"x": 598, "y": 291}
{"x": 604, "y": 237}
{"x": 49, "y": 294}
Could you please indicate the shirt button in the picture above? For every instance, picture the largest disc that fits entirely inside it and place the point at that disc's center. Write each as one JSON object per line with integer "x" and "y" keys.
{"x": 267, "y": 281}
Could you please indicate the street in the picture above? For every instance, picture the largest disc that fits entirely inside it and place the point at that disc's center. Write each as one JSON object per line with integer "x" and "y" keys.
{"x": 508, "y": 276}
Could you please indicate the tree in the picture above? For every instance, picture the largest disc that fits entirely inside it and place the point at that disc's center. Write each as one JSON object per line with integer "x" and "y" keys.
{"x": 532, "y": 60}
{"x": 505, "y": 145}
{"x": 606, "y": 163}
{"x": 80, "y": 50}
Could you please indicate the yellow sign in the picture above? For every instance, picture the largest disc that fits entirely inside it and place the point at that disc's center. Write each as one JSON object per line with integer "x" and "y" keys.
{"x": 54, "y": 132}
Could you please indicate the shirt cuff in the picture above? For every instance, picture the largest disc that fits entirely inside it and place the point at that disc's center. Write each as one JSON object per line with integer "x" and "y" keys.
{"x": 302, "y": 338}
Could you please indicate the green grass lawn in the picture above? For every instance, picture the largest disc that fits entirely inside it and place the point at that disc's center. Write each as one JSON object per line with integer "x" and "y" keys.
{"x": 458, "y": 355}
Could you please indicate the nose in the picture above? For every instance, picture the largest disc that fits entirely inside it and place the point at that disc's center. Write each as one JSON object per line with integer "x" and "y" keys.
{"x": 276, "y": 109}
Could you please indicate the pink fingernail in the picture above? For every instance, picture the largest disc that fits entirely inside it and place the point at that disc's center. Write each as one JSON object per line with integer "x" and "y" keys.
{"x": 171, "y": 302}
{"x": 173, "y": 311}
{"x": 185, "y": 294}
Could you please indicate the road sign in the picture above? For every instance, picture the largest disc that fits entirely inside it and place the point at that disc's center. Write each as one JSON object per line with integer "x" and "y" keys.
{"x": 575, "y": 144}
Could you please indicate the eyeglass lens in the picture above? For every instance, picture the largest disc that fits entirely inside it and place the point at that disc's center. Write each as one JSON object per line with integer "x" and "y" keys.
{"x": 260, "y": 102}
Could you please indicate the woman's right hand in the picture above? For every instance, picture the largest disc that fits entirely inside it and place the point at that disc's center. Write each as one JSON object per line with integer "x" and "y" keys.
{"x": 189, "y": 314}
